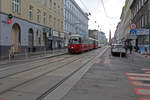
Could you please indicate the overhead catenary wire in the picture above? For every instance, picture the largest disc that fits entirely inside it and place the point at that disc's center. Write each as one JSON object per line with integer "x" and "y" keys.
{"x": 104, "y": 8}
{"x": 106, "y": 14}
{"x": 89, "y": 12}
{"x": 84, "y": 5}
{"x": 97, "y": 6}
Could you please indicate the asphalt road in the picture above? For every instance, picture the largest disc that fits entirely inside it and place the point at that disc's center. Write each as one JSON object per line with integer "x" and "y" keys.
{"x": 93, "y": 75}
{"x": 37, "y": 79}
{"x": 114, "y": 78}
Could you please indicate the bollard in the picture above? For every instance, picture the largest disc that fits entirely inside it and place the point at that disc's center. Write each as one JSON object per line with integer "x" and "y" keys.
{"x": 26, "y": 53}
{"x": 120, "y": 55}
{"x": 132, "y": 56}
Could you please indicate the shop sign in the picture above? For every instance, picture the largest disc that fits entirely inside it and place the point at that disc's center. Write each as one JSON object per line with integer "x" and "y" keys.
{"x": 55, "y": 34}
{"x": 142, "y": 31}
{"x": 62, "y": 35}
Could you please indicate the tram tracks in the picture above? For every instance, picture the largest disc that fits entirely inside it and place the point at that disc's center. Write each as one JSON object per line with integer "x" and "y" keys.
{"x": 3, "y": 91}
{"x": 61, "y": 82}
{"x": 30, "y": 67}
{"x": 53, "y": 88}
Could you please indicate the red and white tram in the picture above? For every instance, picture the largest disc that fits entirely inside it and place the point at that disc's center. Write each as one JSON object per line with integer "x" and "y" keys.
{"x": 78, "y": 44}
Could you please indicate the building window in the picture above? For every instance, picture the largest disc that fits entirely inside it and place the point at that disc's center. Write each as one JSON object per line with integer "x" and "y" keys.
{"x": 62, "y": 11}
{"x": 54, "y": 6}
{"x": 30, "y": 12}
{"x": 142, "y": 21}
{"x": 142, "y": 2}
{"x": 146, "y": 19}
{"x": 50, "y": 4}
{"x": 54, "y": 23}
{"x": 62, "y": 26}
{"x": 38, "y": 16}
{"x": 44, "y": 18}
{"x": 58, "y": 24}
{"x": 45, "y": 3}
{"x": 50, "y": 17}
{"x": 59, "y": 12}
{"x": 16, "y": 6}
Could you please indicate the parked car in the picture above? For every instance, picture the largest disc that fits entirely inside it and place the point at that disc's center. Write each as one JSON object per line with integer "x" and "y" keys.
{"x": 118, "y": 49}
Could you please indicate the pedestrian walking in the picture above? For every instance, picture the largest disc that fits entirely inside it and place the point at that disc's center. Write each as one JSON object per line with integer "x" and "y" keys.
{"x": 130, "y": 48}
{"x": 126, "y": 48}
{"x": 137, "y": 48}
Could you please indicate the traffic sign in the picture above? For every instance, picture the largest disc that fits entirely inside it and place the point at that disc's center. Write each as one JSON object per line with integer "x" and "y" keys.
{"x": 133, "y": 32}
{"x": 9, "y": 21}
{"x": 133, "y": 26}
{"x": 10, "y": 16}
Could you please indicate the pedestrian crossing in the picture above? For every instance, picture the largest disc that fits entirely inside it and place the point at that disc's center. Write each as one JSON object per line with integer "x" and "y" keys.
{"x": 141, "y": 83}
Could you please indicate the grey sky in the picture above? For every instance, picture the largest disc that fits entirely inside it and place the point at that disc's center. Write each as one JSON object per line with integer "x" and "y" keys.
{"x": 105, "y": 21}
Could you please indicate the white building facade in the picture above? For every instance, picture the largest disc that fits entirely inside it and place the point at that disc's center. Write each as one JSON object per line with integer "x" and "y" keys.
{"x": 123, "y": 27}
{"x": 75, "y": 20}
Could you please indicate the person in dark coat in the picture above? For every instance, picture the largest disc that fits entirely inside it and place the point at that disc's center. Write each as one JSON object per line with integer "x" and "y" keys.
{"x": 130, "y": 48}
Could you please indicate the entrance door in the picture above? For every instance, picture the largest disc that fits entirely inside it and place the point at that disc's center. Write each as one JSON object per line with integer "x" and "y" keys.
{"x": 30, "y": 40}
{"x": 16, "y": 38}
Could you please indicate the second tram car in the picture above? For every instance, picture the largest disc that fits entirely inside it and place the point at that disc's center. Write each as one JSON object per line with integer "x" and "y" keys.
{"x": 78, "y": 44}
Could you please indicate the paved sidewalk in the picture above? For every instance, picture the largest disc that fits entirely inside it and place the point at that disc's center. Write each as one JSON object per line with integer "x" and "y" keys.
{"x": 144, "y": 56}
{"x": 106, "y": 79}
{"x": 33, "y": 56}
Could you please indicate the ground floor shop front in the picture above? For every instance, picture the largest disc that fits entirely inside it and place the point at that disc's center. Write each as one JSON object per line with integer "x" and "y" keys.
{"x": 23, "y": 36}
{"x": 140, "y": 42}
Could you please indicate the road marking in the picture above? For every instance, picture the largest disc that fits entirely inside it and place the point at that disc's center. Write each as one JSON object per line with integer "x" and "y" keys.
{"x": 145, "y": 69}
{"x": 110, "y": 61}
{"x": 139, "y": 78}
{"x": 107, "y": 61}
{"x": 147, "y": 72}
{"x": 138, "y": 83}
{"x": 136, "y": 74}
{"x": 144, "y": 98}
{"x": 142, "y": 91}
{"x": 4, "y": 68}
{"x": 3, "y": 99}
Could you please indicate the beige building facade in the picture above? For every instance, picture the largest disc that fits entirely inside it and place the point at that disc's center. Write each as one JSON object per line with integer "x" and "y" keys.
{"x": 36, "y": 25}
{"x": 123, "y": 27}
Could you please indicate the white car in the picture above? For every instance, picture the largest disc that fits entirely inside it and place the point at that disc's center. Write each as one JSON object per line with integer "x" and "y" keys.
{"x": 118, "y": 49}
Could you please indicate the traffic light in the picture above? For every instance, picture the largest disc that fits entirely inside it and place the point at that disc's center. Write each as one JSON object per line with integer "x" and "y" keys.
{"x": 10, "y": 16}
